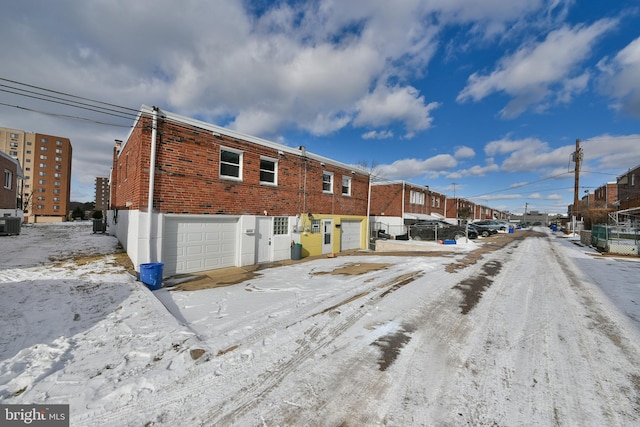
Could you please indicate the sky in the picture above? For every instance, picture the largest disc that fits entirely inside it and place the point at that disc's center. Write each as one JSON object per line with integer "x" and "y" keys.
{"x": 480, "y": 100}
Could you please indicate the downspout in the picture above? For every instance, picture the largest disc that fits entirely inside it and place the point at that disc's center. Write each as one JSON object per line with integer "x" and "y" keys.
{"x": 152, "y": 175}
{"x": 369, "y": 213}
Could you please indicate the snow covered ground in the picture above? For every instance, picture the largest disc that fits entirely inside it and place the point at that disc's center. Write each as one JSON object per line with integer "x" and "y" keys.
{"x": 538, "y": 332}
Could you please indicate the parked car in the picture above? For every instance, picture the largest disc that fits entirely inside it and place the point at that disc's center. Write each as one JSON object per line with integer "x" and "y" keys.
{"x": 484, "y": 230}
{"x": 496, "y": 225}
{"x": 440, "y": 230}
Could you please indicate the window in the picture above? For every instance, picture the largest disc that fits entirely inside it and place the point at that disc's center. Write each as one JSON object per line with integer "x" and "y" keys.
{"x": 346, "y": 185}
{"x": 230, "y": 163}
{"x": 8, "y": 179}
{"x": 13, "y": 144}
{"x": 268, "y": 171}
{"x": 43, "y": 157}
{"x": 58, "y": 159}
{"x": 42, "y": 173}
{"x": 43, "y": 140}
{"x": 59, "y": 150}
{"x": 315, "y": 225}
{"x": 43, "y": 165}
{"x": 42, "y": 181}
{"x": 14, "y": 135}
{"x": 13, "y": 153}
{"x": 58, "y": 142}
{"x": 327, "y": 182}
{"x": 433, "y": 201}
{"x": 416, "y": 198}
{"x": 43, "y": 148}
{"x": 280, "y": 225}
{"x": 57, "y": 175}
{"x": 56, "y": 207}
{"x": 56, "y": 183}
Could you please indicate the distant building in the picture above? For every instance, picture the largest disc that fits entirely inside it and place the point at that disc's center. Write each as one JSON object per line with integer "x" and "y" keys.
{"x": 629, "y": 189}
{"x": 46, "y": 161}
{"x": 102, "y": 194}
{"x": 11, "y": 177}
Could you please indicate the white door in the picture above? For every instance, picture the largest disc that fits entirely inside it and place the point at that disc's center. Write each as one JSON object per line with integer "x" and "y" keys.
{"x": 263, "y": 239}
{"x": 196, "y": 244}
{"x": 327, "y": 229}
{"x": 350, "y": 235}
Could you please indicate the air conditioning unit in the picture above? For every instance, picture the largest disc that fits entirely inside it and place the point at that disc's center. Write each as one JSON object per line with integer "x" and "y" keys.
{"x": 10, "y": 225}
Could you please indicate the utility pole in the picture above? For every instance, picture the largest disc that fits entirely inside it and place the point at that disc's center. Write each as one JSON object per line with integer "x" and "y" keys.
{"x": 577, "y": 157}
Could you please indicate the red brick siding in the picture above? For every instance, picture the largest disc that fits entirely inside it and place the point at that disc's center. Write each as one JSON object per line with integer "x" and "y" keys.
{"x": 8, "y": 197}
{"x": 187, "y": 178}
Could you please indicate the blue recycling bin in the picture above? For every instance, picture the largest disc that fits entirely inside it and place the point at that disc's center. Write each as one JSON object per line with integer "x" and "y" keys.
{"x": 151, "y": 275}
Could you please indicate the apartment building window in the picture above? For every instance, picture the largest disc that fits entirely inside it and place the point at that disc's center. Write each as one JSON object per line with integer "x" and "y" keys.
{"x": 416, "y": 198}
{"x": 230, "y": 163}
{"x": 42, "y": 173}
{"x": 43, "y": 140}
{"x": 57, "y": 175}
{"x": 14, "y": 135}
{"x": 13, "y": 144}
{"x": 327, "y": 182}
{"x": 43, "y": 148}
{"x": 56, "y": 207}
{"x": 56, "y": 191}
{"x": 346, "y": 185}
{"x": 268, "y": 171}
{"x": 43, "y": 165}
{"x": 280, "y": 225}
{"x": 42, "y": 181}
{"x": 59, "y": 150}
{"x": 42, "y": 190}
{"x": 8, "y": 179}
{"x": 58, "y": 159}
{"x": 13, "y": 153}
{"x": 56, "y": 183}
{"x": 41, "y": 198}
{"x": 58, "y": 167}
{"x": 43, "y": 157}
{"x": 58, "y": 142}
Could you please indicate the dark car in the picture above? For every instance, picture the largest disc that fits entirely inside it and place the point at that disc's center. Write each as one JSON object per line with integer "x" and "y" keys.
{"x": 440, "y": 230}
{"x": 484, "y": 230}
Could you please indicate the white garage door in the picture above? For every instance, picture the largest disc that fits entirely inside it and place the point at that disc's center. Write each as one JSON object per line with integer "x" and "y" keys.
{"x": 197, "y": 244}
{"x": 350, "y": 235}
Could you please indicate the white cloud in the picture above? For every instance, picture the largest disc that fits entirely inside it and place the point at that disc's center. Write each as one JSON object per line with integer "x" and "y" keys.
{"x": 529, "y": 74}
{"x": 620, "y": 80}
{"x": 411, "y": 168}
{"x": 374, "y": 134}
{"x": 388, "y": 104}
{"x": 464, "y": 153}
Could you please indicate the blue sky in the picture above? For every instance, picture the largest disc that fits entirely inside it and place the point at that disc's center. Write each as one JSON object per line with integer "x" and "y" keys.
{"x": 484, "y": 97}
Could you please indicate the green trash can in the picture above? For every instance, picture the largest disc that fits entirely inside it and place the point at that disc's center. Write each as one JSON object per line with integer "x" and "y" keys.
{"x": 296, "y": 251}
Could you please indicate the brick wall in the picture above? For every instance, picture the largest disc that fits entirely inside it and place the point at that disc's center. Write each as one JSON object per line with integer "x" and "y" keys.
{"x": 8, "y": 197}
{"x": 187, "y": 177}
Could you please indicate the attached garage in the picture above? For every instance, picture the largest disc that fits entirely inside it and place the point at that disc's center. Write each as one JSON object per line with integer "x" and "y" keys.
{"x": 198, "y": 244}
{"x": 350, "y": 235}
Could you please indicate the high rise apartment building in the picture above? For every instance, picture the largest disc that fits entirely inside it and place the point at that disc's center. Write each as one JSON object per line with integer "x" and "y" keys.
{"x": 102, "y": 194}
{"x": 46, "y": 162}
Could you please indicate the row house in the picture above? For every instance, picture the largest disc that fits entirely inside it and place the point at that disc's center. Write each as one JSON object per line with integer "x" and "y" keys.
{"x": 197, "y": 197}
{"x": 399, "y": 204}
{"x": 629, "y": 189}
{"x": 9, "y": 194}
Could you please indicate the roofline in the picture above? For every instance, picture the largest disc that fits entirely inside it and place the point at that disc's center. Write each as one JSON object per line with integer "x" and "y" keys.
{"x": 300, "y": 151}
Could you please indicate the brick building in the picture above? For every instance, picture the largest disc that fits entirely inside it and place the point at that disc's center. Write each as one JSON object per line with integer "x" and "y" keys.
{"x": 11, "y": 178}
{"x": 396, "y": 205}
{"x": 46, "y": 160}
{"x": 222, "y": 198}
{"x": 102, "y": 194}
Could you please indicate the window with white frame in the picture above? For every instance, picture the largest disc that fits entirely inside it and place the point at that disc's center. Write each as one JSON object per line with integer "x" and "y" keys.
{"x": 280, "y": 225}
{"x": 8, "y": 179}
{"x": 230, "y": 163}
{"x": 327, "y": 182}
{"x": 416, "y": 198}
{"x": 433, "y": 201}
{"x": 346, "y": 185}
{"x": 268, "y": 171}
